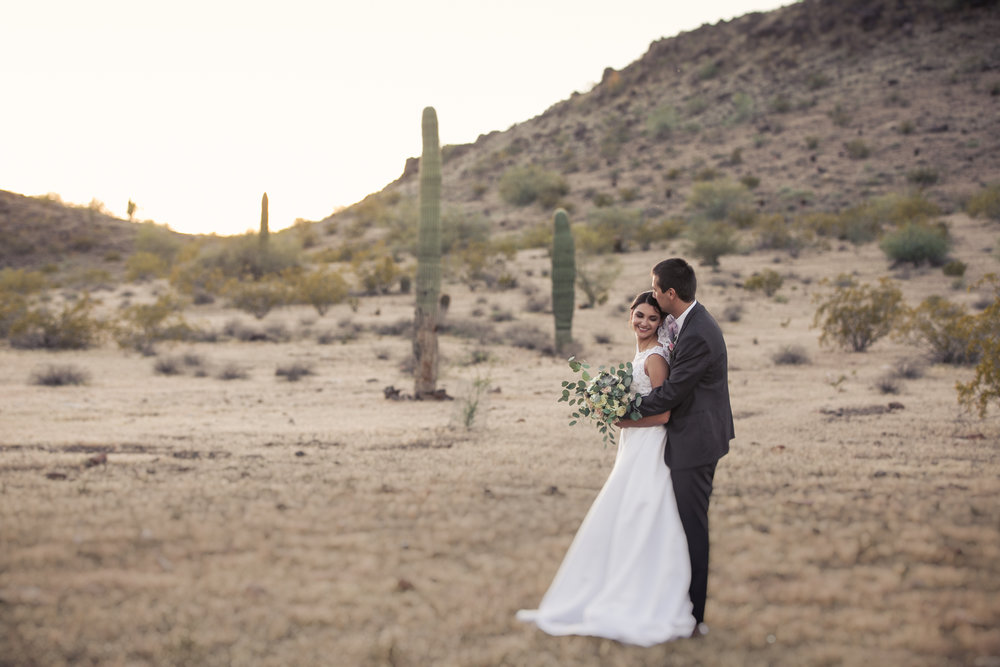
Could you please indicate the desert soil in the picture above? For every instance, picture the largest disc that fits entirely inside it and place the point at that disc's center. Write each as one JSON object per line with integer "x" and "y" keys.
{"x": 258, "y": 521}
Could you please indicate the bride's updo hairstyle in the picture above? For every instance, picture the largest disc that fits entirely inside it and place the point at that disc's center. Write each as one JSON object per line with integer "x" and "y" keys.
{"x": 647, "y": 297}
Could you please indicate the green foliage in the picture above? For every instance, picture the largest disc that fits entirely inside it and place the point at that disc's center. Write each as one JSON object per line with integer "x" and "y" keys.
{"x": 145, "y": 266}
{"x": 743, "y": 108}
{"x": 157, "y": 240}
{"x": 603, "y": 398}
{"x": 774, "y": 232}
{"x": 767, "y": 281}
{"x": 720, "y": 200}
{"x": 943, "y": 328}
{"x": 709, "y": 240}
{"x": 210, "y": 265}
{"x": 840, "y": 116}
{"x": 377, "y": 276}
{"x": 22, "y": 281}
{"x": 257, "y": 297}
{"x": 856, "y": 315}
{"x": 750, "y": 181}
{"x": 985, "y": 203}
{"x": 984, "y": 332}
{"x": 141, "y": 325}
{"x": 610, "y": 229}
{"x": 320, "y": 288}
{"x": 536, "y": 236}
{"x": 917, "y": 242}
{"x": 955, "y": 268}
{"x": 72, "y": 328}
{"x": 857, "y": 149}
{"x": 662, "y": 121}
{"x": 649, "y": 232}
{"x": 923, "y": 176}
{"x": 524, "y": 185}
{"x": 563, "y": 279}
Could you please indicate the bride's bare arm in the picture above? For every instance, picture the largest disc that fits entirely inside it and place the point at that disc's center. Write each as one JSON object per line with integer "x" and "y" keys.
{"x": 657, "y": 370}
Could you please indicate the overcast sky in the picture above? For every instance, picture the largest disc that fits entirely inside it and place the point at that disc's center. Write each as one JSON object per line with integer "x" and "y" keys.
{"x": 194, "y": 108}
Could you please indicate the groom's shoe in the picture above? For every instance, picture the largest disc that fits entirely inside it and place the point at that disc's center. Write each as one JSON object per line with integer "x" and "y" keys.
{"x": 700, "y": 630}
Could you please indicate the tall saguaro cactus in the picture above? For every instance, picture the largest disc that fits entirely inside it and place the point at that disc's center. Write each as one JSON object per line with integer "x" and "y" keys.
{"x": 425, "y": 345}
{"x": 563, "y": 279}
{"x": 264, "y": 231}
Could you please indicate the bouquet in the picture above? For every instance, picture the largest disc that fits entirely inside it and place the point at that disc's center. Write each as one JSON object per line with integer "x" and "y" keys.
{"x": 604, "y": 398}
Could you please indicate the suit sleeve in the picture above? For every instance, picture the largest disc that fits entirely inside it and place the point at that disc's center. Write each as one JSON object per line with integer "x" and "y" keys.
{"x": 691, "y": 362}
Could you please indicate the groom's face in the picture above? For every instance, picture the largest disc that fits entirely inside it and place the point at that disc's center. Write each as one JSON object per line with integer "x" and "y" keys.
{"x": 666, "y": 299}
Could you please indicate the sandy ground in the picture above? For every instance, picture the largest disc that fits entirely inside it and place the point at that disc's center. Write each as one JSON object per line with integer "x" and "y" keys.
{"x": 264, "y": 522}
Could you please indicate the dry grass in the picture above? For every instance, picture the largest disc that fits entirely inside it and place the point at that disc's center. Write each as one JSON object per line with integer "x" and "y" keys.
{"x": 267, "y": 523}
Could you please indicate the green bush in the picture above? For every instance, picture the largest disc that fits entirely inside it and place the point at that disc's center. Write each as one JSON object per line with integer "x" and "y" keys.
{"x": 22, "y": 281}
{"x": 523, "y": 185}
{"x": 767, "y": 281}
{"x": 377, "y": 276}
{"x": 610, "y": 229}
{"x": 595, "y": 276}
{"x": 141, "y": 325}
{"x": 857, "y": 149}
{"x": 320, "y": 288}
{"x": 709, "y": 240}
{"x": 157, "y": 240}
{"x": 955, "y": 268}
{"x": 72, "y": 328}
{"x": 923, "y": 176}
{"x": 985, "y": 203}
{"x": 984, "y": 332}
{"x": 720, "y": 200}
{"x": 943, "y": 328}
{"x": 916, "y": 243}
{"x": 145, "y": 266}
{"x": 773, "y": 232}
{"x": 856, "y": 315}
{"x": 256, "y": 297}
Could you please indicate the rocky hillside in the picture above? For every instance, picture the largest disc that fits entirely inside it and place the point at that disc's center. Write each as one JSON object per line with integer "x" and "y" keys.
{"x": 815, "y": 106}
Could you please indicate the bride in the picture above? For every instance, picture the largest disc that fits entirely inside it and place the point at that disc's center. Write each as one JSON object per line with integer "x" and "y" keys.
{"x": 626, "y": 574}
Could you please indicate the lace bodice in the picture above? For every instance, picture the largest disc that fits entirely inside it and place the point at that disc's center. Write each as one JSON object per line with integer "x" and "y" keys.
{"x": 640, "y": 381}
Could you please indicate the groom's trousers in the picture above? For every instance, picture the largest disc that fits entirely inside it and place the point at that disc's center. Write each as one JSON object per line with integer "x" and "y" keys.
{"x": 692, "y": 488}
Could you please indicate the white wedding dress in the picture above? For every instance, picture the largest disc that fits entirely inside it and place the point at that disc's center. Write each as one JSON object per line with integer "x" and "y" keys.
{"x": 626, "y": 574}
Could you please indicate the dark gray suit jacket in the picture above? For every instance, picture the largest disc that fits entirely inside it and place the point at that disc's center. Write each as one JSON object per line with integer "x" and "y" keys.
{"x": 697, "y": 394}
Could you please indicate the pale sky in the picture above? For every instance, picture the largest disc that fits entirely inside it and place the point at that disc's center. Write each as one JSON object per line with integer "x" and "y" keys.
{"x": 194, "y": 108}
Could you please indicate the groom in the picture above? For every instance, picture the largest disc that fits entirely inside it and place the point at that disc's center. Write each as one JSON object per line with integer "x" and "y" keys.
{"x": 701, "y": 419}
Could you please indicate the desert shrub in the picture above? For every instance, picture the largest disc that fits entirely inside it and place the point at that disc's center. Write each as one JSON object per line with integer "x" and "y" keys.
{"x": 750, "y": 181}
{"x": 767, "y": 281}
{"x": 887, "y": 384}
{"x": 909, "y": 368}
{"x": 943, "y": 329}
{"x": 840, "y": 116}
{"x": 535, "y": 236}
{"x": 240, "y": 256}
{"x": 523, "y": 185}
{"x": 294, "y": 372}
{"x": 168, "y": 366}
{"x": 916, "y": 243}
{"x": 232, "y": 371}
{"x": 648, "y": 232}
{"x": 923, "y": 176}
{"x": 791, "y": 355}
{"x": 733, "y": 312}
{"x": 595, "y": 276}
{"x": 401, "y": 327}
{"x": 22, "y": 281}
{"x": 743, "y": 108}
{"x": 157, "y": 240}
{"x": 530, "y": 337}
{"x": 709, "y": 240}
{"x": 773, "y": 232}
{"x": 983, "y": 329}
{"x": 60, "y": 376}
{"x": 501, "y": 314}
{"x": 857, "y": 149}
{"x": 141, "y": 325}
{"x": 319, "y": 288}
{"x": 662, "y": 121}
{"x": 985, "y": 203}
{"x": 484, "y": 332}
{"x": 720, "y": 200}
{"x": 145, "y": 266}
{"x": 856, "y": 315}
{"x": 72, "y": 328}
{"x": 610, "y": 229}
{"x": 256, "y": 297}
{"x": 955, "y": 268}
{"x": 817, "y": 80}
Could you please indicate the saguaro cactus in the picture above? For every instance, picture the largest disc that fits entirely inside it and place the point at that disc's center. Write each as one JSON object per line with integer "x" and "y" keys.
{"x": 563, "y": 279}
{"x": 264, "y": 231}
{"x": 425, "y": 346}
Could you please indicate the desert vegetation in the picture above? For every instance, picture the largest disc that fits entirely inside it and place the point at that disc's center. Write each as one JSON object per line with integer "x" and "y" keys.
{"x": 209, "y": 454}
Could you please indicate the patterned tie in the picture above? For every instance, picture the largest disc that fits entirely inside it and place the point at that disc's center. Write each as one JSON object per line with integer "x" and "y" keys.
{"x": 673, "y": 330}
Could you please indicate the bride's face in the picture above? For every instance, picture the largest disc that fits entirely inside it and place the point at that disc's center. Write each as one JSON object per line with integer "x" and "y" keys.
{"x": 644, "y": 322}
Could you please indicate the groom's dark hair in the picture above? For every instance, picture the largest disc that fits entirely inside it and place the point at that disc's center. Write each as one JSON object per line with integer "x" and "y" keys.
{"x": 676, "y": 273}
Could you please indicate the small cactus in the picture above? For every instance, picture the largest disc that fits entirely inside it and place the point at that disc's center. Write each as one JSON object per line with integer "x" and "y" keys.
{"x": 425, "y": 347}
{"x": 563, "y": 279}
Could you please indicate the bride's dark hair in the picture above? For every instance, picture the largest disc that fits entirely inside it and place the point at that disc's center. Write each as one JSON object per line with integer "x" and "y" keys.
{"x": 647, "y": 297}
